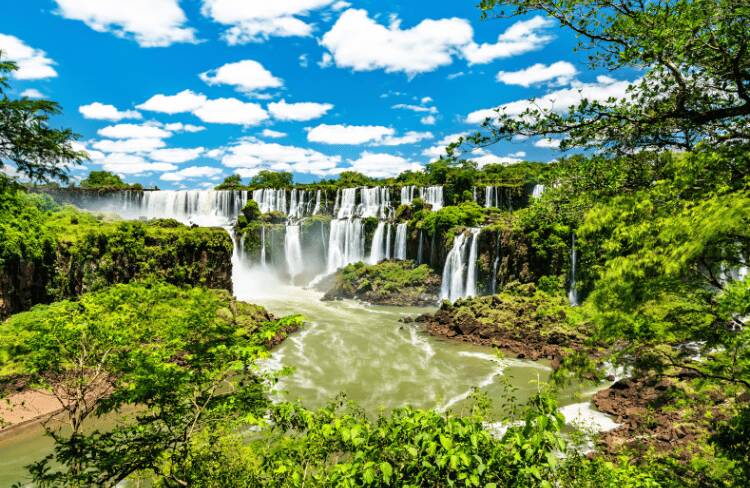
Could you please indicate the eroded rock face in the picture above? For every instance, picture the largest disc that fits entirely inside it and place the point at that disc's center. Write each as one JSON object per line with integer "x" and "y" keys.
{"x": 117, "y": 253}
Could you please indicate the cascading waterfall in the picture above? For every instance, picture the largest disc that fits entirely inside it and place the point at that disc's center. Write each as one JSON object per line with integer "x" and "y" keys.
{"x": 388, "y": 254}
{"x": 346, "y": 240}
{"x": 459, "y": 277}
{"x": 432, "y": 195}
{"x": 537, "y": 191}
{"x": 573, "y": 291}
{"x": 270, "y": 200}
{"x": 377, "y": 250}
{"x": 407, "y": 194}
{"x": 401, "y": 241}
{"x": 471, "y": 272}
{"x": 490, "y": 196}
{"x": 495, "y": 265}
{"x": 293, "y": 251}
{"x": 316, "y": 210}
{"x": 452, "y": 287}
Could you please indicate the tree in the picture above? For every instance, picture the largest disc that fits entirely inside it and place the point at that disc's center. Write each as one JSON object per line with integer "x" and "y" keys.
{"x": 103, "y": 179}
{"x": 181, "y": 357}
{"x": 233, "y": 182}
{"x": 272, "y": 179}
{"x": 38, "y": 151}
{"x": 694, "y": 56}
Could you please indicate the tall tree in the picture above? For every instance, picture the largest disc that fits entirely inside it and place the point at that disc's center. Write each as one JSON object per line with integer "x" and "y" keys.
{"x": 694, "y": 60}
{"x": 37, "y": 150}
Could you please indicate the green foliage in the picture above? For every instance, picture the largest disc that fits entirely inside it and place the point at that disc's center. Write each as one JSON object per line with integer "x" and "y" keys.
{"x": 104, "y": 180}
{"x": 272, "y": 179}
{"x": 251, "y": 211}
{"x": 180, "y": 355}
{"x": 467, "y": 214}
{"x": 394, "y": 282}
{"x": 38, "y": 151}
{"x": 232, "y": 182}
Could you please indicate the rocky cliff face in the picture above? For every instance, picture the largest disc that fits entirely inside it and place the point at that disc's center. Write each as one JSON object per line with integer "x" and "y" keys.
{"x": 83, "y": 257}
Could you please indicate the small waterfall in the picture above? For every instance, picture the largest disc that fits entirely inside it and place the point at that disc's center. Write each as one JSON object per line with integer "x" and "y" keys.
{"x": 471, "y": 272}
{"x": 407, "y": 195}
{"x": 419, "y": 250}
{"x": 432, "y": 195}
{"x": 293, "y": 251}
{"x": 474, "y": 193}
{"x": 573, "y": 291}
{"x": 271, "y": 200}
{"x": 495, "y": 265}
{"x": 316, "y": 210}
{"x": 377, "y": 253}
{"x": 537, "y": 191}
{"x": 452, "y": 287}
{"x": 401, "y": 241}
{"x": 459, "y": 277}
{"x": 490, "y": 197}
{"x": 388, "y": 254}
{"x": 346, "y": 243}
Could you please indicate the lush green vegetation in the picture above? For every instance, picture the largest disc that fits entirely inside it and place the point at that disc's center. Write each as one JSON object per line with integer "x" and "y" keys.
{"x": 104, "y": 180}
{"x": 388, "y": 282}
{"x": 48, "y": 252}
{"x": 179, "y": 357}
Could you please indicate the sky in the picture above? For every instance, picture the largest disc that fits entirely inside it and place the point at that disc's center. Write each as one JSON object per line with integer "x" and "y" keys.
{"x": 182, "y": 93}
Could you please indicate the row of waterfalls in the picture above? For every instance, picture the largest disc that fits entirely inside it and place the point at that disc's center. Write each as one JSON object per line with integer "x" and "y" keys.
{"x": 320, "y": 232}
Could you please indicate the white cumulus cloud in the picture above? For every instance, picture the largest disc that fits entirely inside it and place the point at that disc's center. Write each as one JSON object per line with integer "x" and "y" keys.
{"x": 439, "y": 148}
{"x": 231, "y": 111}
{"x": 522, "y": 37}
{"x": 410, "y": 137}
{"x": 560, "y": 73}
{"x": 348, "y": 134}
{"x": 254, "y": 21}
{"x": 255, "y": 155}
{"x": 548, "y": 143}
{"x": 358, "y": 42}
{"x": 177, "y": 154}
{"x": 185, "y": 101}
{"x": 152, "y": 23}
{"x": 32, "y": 93}
{"x": 379, "y": 165}
{"x": 298, "y": 111}
{"x": 135, "y": 145}
{"x": 559, "y": 100}
{"x": 191, "y": 172}
{"x": 273, "y": 134}
{"x": 133, "y": 131}
{"x": 246, "y": 76}
{"x": 33, "y": 64}
{"x": 101, "y": 111}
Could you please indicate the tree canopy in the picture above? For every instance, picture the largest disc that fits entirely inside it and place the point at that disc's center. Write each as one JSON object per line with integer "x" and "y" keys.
{"x": 693, "y": 64}
{"x": 37, "y": 150}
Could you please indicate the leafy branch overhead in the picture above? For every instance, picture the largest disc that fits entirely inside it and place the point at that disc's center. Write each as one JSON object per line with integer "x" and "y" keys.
{"x": 690, "y": 60}
{"x": 38, "y": 151}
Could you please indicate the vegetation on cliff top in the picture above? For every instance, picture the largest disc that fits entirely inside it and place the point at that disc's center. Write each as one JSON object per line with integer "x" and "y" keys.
{"x": 387, "y": 283}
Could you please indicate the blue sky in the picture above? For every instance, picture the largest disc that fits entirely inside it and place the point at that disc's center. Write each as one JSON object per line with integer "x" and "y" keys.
{"x": 180, "y": 94}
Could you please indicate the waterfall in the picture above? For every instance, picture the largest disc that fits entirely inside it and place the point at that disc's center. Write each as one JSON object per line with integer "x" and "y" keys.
{"x": 271, "y": 200}
{"x": 377, "y": 249}
{"x": 407, "y": 194}
{"x": 376, "y": 202}
{"x": 388, "y": 254}
{"x": 489, "y": 192}
{"x": 316, "y": 210}
{"x": 474, "y": 193}
{"x": 452, "y": 287}
{"x": 573, "y": 291}
{"x": 471, "y": 272}
{"x": 401, "y": 241}
{"x": 346, "y": 202}
{"x": 459, "y": 278}
{"x": 432, "y": 195}
{"x": 537, "y": 191}
{"x": 200, "y": 207}
{"x": 293, "y": 251}
{"x": 495, "y": 264}
{"x": 345, "y": 243}
{"x": 263, "y": 246}
{"x": 419, "y": 250}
